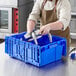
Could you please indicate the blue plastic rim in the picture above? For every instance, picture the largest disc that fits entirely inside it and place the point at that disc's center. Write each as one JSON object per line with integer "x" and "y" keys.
{"x": 38, "y": 55}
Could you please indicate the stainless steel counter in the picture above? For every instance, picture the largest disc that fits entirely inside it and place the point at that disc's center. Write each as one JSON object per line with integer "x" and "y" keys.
{"x": 13, "y": 67}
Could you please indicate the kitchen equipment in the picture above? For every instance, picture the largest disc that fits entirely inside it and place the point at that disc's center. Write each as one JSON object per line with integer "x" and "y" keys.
{"x": 30, "y": 36}
{"x": 72, "y": 53}
{"x": 73, "y": 27}
{"x": 13, "y": 16}
{"x": 73, "y": 19}
{"x": 73, "y": 56}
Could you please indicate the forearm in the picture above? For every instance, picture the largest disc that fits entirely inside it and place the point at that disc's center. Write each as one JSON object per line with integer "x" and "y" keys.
{"x": 30, "y": 25}
{"x": 56, "y": 25}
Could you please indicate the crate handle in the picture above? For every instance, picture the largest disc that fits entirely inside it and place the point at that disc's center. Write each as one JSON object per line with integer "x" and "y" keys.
{"x": 35, "y": 35}
{"x": 50, "y": 37}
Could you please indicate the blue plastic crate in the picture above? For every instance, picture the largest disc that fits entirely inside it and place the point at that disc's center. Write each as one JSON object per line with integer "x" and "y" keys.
{"x": 38, "y": 55}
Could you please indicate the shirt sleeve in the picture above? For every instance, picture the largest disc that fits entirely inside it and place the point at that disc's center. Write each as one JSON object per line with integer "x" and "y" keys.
{"x": 35, "y": 14}
{"x": 65, "y": 13}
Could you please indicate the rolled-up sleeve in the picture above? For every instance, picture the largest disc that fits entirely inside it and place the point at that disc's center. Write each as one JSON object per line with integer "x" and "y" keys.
{"x": 35, "y": 14}
{"x": 65, "y": 13}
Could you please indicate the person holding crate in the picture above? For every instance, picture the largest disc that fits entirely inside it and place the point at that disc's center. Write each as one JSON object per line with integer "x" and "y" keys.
{"x": 54, "y": 16}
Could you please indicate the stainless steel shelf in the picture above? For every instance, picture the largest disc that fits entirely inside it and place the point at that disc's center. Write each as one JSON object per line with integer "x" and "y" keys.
{"x": 73, "y": 35}
{"x": 73, "y": 13}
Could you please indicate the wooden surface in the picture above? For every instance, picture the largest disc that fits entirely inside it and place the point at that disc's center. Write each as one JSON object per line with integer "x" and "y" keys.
{"x": 13, "y": 67}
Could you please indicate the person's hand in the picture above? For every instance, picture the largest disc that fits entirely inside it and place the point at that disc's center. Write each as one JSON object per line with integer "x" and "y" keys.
{"x": 44, "y": 29}
{"x": 51, "y": 26}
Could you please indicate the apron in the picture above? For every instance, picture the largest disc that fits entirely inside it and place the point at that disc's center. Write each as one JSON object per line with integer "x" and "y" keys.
{"x": 48, "y": 16}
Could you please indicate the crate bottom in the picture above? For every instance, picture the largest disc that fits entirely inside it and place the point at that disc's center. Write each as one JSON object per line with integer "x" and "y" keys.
{"x": 37, "y": 64}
